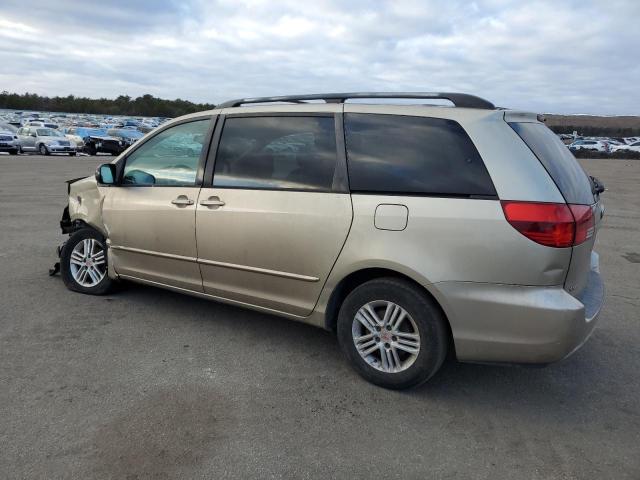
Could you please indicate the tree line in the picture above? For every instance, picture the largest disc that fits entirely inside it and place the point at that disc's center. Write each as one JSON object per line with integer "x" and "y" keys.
{"x": 595, "y": 131}
{"x": 146, "y": 105}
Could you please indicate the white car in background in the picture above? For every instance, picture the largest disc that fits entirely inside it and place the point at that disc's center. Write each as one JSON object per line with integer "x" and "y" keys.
{"x": 44, "y": 141}
{"x": 72, "y": 134}
{"x": 595, "y": 145}
{"x": 634, "y": 147}
{"x": 8, "y": 141}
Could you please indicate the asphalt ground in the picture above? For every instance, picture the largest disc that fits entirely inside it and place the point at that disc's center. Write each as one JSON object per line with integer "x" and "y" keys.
{"x": 147, "y": 383}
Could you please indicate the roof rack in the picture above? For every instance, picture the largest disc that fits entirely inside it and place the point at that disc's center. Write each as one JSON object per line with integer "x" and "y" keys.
{"x": 458, "y": 99}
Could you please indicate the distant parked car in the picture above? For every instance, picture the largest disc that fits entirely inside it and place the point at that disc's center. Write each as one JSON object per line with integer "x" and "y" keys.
{"x": 44, "y": 141}
{"x": 634, "y": 147}
{"x": 72, "y": 134}
{"x": 126, "y": 135}
{"x": 8, "y": 141}
{"x": 595, "y": 145}
{"x": 97, "y": 140}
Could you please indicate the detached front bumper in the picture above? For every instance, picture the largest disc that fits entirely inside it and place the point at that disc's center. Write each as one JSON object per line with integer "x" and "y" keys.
{"x": 520, "y": 324}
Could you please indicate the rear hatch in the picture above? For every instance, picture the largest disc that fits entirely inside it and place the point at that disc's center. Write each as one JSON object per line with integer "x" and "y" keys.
{"x": 576, "y": 187}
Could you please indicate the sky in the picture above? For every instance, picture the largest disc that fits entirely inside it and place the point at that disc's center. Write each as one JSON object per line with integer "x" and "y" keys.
{"x": 544, "y": 56}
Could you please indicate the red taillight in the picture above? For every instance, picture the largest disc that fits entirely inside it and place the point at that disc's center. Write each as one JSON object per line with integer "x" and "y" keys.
{"x": 551, "y": 224}
{"x": 583, "y": 215}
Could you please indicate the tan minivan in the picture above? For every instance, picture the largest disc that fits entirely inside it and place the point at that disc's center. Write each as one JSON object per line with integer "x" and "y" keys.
{"x": 412, "y": 231}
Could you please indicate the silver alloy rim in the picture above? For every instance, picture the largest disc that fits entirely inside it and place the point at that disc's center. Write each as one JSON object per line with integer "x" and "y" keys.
{"x": 386, "y": 336}
{"x": 88, "y": 265}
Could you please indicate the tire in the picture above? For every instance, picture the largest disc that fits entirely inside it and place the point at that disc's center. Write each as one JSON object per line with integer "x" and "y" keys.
{"x": 81, "y": 242}
{"x": 423, "y": 318}
{"x": 72, "y": 154}
{"x": 13, "y": 152}
{"x": 43, "y": 150}
{"x": 91, "y": 149}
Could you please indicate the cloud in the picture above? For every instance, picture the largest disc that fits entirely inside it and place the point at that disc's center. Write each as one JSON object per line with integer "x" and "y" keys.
{"x": 575, "y": 56}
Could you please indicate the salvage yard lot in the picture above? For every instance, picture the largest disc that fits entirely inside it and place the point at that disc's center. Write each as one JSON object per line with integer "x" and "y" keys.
{"x": 146, "y": 383}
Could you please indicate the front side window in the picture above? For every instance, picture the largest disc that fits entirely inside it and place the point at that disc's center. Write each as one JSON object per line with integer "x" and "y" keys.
{"x": 170, "y": 158}
{"x": 284, "y": 153}
{"x": 413, "y": 155}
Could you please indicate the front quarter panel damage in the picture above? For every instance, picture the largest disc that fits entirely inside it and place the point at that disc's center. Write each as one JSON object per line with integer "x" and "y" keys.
{"x": 85, "y": 203}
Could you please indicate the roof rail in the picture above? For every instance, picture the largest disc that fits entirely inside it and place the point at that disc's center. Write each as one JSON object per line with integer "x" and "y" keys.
{"x": 458, "y": 99}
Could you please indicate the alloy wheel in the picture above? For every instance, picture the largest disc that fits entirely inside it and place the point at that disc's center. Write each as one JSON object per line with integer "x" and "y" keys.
{"x": 88, "y": 263}
{"x": 386, "y": 336}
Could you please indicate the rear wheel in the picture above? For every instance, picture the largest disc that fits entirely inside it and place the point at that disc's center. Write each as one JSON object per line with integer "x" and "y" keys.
{"x": 91, "y": 149}
{"x": 392, "y": 333}
{"x": 43, "y": 149}
{"x": 83, "y": 263}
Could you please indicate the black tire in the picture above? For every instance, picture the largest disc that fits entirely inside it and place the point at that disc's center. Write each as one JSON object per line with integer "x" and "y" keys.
{"x": 427, "y": 316}
{"x": 43, "y": 150}
{"x": 91, "y": 149}
{"x": 13, "y": 152}
{"x": 72, "y": 154}
{"x": 101, "y": 288}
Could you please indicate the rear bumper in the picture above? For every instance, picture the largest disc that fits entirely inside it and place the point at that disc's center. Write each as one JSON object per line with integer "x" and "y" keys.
{"x": 520, "y": 324}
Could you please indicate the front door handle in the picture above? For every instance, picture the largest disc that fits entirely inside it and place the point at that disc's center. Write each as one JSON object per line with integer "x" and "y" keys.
{"x": 182, "y": 201}
{"x": 212, "y": 202}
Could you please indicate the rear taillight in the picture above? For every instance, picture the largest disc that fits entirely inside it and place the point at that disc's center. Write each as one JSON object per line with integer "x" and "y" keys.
{"x": 550, "y": 224}
{"x": 583, "y": 215}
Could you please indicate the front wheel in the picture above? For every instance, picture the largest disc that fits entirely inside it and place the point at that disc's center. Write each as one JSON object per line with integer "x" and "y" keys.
{"x": 83, "y": 263}
{"x": 72, "y": 154}
{"x": 392, "y": 333}
{"x": 43, "y": 149}
{"x": 13, "y": 152}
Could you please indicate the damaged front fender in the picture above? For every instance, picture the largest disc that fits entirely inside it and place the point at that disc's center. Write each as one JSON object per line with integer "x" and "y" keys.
{"x": 85, "y": 206}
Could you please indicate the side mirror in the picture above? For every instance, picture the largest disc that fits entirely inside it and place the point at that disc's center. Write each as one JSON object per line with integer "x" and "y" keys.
{"x": 106, "y": 174}
{"x": 32, "y": 135}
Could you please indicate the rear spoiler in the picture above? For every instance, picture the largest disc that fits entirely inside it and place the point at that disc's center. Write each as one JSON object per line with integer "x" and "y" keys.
{"x": 516, "y": 116}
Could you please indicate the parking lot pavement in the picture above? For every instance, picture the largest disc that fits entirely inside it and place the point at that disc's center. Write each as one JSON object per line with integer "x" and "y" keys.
{"x": 146, "y": 383}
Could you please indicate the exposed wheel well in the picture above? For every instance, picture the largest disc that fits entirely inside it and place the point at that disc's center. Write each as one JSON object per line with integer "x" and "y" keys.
{"x": 353, "y": 280}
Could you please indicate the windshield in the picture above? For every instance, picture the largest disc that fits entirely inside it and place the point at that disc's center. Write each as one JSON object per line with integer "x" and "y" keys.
{"x": 7, "y": 127}
{"x": 48, "y": 132}
{"x": 83, "y": 132}
{"x": 126, "y": 133}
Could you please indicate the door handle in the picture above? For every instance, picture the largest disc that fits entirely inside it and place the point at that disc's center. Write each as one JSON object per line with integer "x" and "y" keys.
{"x": 182, "y": 201}
{"x": 212, "y": 202}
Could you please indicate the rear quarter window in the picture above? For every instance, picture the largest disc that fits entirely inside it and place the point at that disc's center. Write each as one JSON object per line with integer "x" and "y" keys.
{"x": 413, "y": 155}
{"x": 564, "y": 169}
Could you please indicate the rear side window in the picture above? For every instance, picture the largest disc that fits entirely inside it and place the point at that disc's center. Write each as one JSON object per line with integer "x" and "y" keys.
{"x": 414, "y": 155}
{"x": 283, "y": 153}
{"x": 566, "y": 172}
